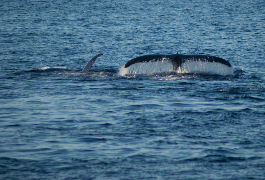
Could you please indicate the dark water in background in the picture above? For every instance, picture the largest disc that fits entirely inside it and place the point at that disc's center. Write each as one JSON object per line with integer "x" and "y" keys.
{"x": 60, "y": 124}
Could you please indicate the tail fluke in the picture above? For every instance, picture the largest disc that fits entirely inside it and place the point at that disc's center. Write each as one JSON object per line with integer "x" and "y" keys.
{"x": 177, "y": 59}
{"x": 90, "y": 63}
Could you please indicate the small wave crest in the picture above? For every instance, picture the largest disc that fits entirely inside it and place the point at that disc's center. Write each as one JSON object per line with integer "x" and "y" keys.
{"x": 53, "y": 68}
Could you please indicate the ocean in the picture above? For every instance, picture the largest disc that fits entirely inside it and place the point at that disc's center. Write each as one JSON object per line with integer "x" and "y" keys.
{"x": 58, "y": 123}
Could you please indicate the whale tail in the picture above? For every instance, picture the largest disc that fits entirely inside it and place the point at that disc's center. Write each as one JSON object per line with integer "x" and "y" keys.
{"x": 90, "y": 63}
{"x": 177, "y": 59}
{"x": 181, "y": 63}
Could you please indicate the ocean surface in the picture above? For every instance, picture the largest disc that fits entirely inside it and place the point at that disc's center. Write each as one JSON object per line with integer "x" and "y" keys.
{"x": 57, "y": 123}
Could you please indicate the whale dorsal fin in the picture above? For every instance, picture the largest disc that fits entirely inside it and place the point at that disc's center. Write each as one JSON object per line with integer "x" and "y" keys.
{"x": 90, "y": 63}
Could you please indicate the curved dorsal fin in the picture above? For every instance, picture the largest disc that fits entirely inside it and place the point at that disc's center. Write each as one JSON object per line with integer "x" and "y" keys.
{"x": 90, "y": 63}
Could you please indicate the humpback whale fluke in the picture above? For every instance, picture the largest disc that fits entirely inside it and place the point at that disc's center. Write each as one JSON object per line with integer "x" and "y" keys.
{"x": 177, "y": 62}
{"x": 177, "y": 59}
{"x": 90, "y": 63}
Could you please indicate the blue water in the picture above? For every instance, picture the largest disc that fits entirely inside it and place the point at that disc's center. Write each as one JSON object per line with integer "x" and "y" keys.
{"x": 60, "y": 124}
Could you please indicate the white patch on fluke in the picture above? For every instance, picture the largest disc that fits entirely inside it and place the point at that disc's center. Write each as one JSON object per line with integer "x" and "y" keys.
{"x": 206, "y": 68}
{"x": 147, "y": 68}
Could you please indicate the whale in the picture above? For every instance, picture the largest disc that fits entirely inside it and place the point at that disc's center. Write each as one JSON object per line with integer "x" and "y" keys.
{"x": 156, "y": 63}
{"x": 148, "y": 64}
{"x": 176, "y": 59}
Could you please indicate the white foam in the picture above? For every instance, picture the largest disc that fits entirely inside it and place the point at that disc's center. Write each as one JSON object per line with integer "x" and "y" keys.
{"x": 147, "y": 68}
{"x": 47, "y": 68}
{"x": 44, "y": 68}
{"x": 59, "y": 67}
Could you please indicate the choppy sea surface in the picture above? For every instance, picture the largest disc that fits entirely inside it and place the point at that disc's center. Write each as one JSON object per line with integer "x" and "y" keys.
{"x": 57, "y": 123}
